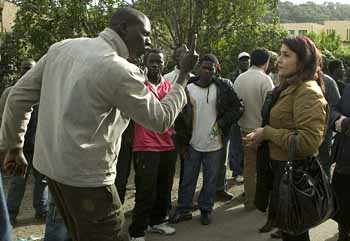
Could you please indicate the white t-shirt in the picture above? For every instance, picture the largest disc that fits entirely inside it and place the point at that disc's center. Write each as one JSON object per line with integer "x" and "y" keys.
{"x": 205, "y": 135}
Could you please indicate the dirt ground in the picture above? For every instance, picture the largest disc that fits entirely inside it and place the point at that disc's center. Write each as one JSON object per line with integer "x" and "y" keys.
{"x": 26, "y": 224}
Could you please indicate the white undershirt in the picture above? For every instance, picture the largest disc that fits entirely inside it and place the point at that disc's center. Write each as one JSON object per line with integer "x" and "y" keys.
{"x": 205, "y": 135}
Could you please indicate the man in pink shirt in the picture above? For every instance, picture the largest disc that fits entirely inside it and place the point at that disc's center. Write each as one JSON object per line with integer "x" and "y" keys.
{"x": 154, "y": 162}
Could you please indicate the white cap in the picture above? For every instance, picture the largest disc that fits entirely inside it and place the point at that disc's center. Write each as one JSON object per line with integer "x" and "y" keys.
{"x": 243, "y": 54}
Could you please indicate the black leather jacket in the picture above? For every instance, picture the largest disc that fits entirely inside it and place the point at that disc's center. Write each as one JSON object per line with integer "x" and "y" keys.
{"x": 340, "y": 149}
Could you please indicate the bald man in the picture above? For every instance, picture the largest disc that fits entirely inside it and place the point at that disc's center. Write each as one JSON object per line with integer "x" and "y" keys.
{"x": 87, "y": 92}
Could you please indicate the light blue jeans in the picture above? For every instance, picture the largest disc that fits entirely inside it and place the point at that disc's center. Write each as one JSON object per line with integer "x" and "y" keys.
{"x": 210, "y": 162}
{"x": 17, "y": 185}
{"x": 5, "y": 226}
{"x": 55, "y": 229}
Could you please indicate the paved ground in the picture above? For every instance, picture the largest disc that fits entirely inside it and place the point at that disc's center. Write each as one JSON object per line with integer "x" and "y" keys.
{"x": 229, "y": 221}
{"x": 232, "y": 223}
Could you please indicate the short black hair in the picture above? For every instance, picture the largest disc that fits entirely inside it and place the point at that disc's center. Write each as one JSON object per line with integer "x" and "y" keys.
{"x": 259, "y": 56}
{"x": 154, "y": 51}
{"x": 333, "y": 65}
{"x": 209, "y": 57}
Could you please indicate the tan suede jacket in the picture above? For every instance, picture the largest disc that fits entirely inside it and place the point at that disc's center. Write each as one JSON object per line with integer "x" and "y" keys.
{"x": 302, "y": 108}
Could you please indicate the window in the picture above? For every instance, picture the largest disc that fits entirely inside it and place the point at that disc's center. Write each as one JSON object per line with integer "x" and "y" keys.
{"x": 291, "y": 32}
{"x": 302, "y": 32}
{"x": 330, "y": 31}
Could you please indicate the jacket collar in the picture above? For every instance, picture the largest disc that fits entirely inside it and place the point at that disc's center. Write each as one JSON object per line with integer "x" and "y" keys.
{"x": 116, "y": 42}
{"x": 253, "y": 67}
{"x": 193, "y": 79}
{"x": 291, "y": 88}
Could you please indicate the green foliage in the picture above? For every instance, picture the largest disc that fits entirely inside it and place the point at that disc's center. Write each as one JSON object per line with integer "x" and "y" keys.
{"x": 40, "y": 23}
{"x": 330, "y": 42}
{"x": 331, "y": 47}
{"x": 312, "y": 12}
{"x": 224, "y": 28}
{"x": 344, "y": 55}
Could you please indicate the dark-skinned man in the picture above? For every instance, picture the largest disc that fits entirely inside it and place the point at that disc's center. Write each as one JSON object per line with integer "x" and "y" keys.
{"x": 207, "y": 119}
{"x": 337, "y": 72}
{"x": 154, "y": 162}
{"x": 17, "y": 184}
{"x": 243, "y": 65}
{"x": 87, "y": 92}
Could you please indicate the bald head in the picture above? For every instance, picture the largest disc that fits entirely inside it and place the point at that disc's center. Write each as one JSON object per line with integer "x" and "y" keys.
{"x": 134, "y": 28}
{"x": 126, "y": 15}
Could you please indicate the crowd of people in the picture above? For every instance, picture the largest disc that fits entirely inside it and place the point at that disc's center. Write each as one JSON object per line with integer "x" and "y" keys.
{"x": 93, "y": 113}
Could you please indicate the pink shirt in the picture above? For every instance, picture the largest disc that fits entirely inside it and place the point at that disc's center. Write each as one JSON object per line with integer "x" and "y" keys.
{"x": 146, "y": 140}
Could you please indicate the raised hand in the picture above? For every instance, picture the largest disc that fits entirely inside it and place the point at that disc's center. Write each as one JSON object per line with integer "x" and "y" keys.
{"x": 190, "y": 60}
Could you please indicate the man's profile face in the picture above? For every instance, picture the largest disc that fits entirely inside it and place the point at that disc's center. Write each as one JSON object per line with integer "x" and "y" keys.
{"x": 272, "y": 67}
{"x": 155, "y": 65}
{"x": 347, "y": 75}
{"x": 138, "y": 38}
{"x": 244, "y": 63}
{"x": 339, "y": 73}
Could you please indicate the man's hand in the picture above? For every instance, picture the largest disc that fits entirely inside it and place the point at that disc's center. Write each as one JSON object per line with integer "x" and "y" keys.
{"x": 15, "y": 162}
{"x": 188, "y": 62}
{"x": 338, "y": 123}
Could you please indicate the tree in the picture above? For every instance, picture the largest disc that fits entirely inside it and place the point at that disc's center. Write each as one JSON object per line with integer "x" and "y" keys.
{"x": 312, "y": 12}
{"x": 224, "y": 27}
{"x": 330, "y": 42}
{"x": 40, "y": 23}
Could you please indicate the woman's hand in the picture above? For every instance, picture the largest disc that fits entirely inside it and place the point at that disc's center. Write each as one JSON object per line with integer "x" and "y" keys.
{"x": 255, "y": 137}
{"x": 338, "y": 123}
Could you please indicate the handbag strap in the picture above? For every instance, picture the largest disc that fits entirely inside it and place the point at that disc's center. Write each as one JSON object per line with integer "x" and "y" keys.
{"x": 292, "y": 149}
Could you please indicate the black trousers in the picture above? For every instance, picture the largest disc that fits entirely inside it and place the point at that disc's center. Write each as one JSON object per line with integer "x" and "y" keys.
{"x": 154, "y": 173}
{"x": 301, "y": 237}
{"x": 123, "y": 168}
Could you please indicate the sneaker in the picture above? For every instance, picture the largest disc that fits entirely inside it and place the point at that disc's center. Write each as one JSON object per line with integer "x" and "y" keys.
{"x": 138, "y": 239}
{"x": 162, "y": 228}
{"x": 205, "y": 218}
{"x": 239, "y": 179}
{"x": 223, "y": 196}
{"x": 180, "y": 217}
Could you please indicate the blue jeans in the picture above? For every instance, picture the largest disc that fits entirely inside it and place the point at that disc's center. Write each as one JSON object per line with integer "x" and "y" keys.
{"x": 17, "y": 185}
{"x": 235, "y": 153}
{"x": 210, "y": 162}
{"x": 5, "y": 226}
{"x": 55, "y": 229}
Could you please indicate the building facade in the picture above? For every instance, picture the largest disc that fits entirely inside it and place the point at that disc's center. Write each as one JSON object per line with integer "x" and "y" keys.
{"x": 8, "y": 12}
{"x": 341, "y": 28}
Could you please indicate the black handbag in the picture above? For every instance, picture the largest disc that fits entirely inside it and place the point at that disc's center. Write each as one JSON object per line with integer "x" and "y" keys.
{"x": 306, "y": 198}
